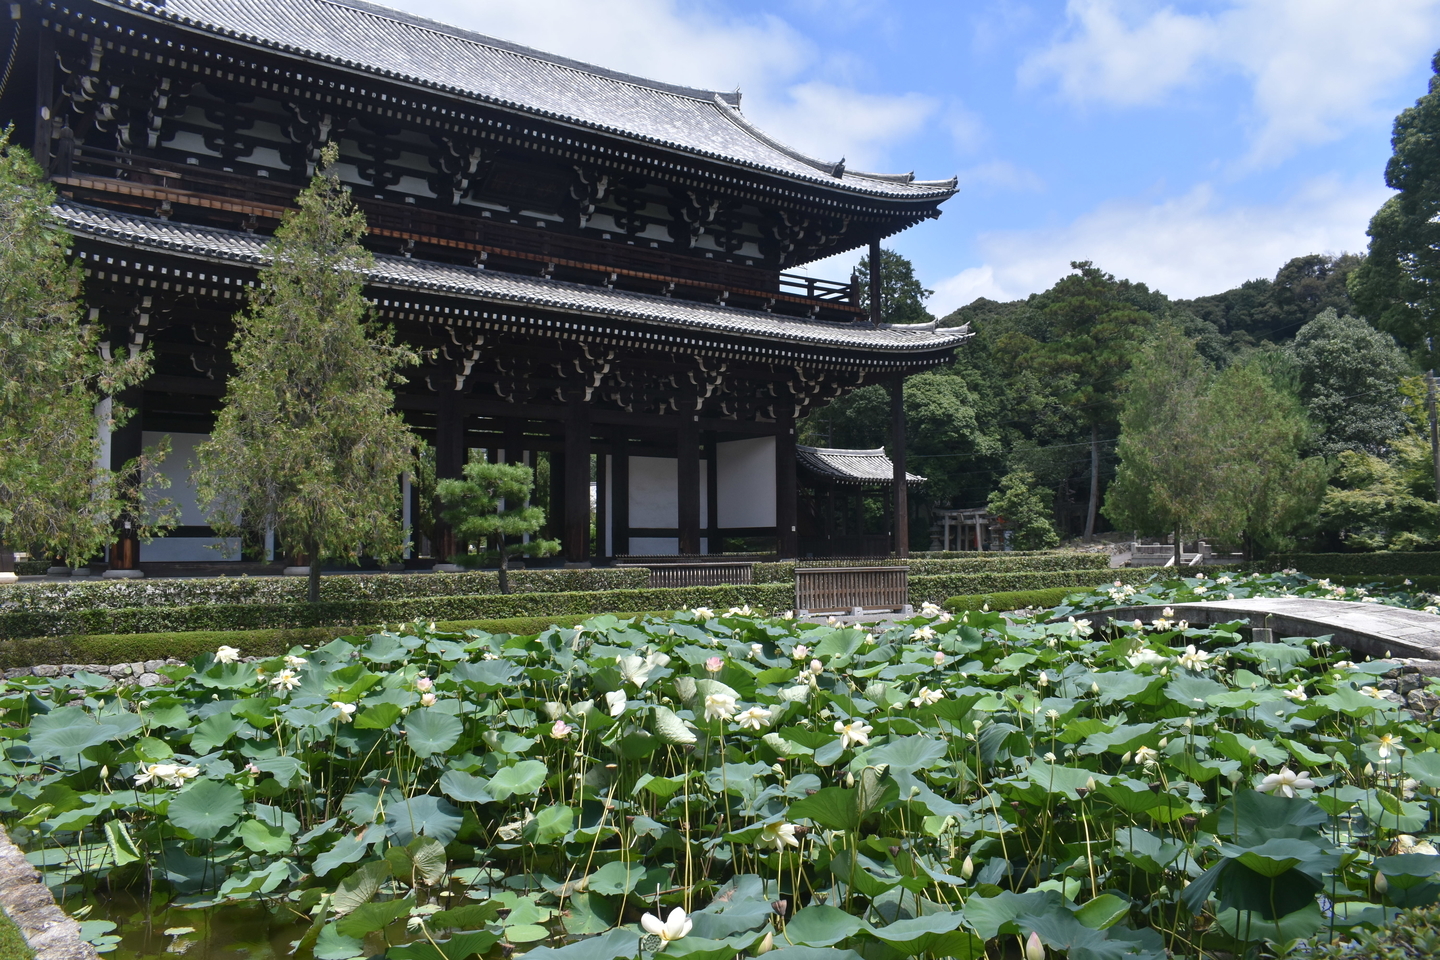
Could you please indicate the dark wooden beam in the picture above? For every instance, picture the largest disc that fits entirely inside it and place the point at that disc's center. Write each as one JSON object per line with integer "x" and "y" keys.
{"x": 712, "y": 494}
{"x": 620, "y": 493}
{"x": 875, "y": 257}
{"x": 449, "y": 463}
{"x": 576, "y": 484}
{"x": 687, "y": 479}
{"x": 787, "y": 541}
{"x": 901, "y": 494}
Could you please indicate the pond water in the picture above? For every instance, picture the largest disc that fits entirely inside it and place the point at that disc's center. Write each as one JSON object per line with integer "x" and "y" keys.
{"x": 242, "y": 931}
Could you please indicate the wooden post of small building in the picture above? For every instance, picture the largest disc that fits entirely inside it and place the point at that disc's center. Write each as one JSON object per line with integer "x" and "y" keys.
{"x": 875, "y": 257}
{"x": 576, "y": 537}
{"x": 712, "y": 496}
{"x": 897, "y": 457}
{"x": 687, "y": 479}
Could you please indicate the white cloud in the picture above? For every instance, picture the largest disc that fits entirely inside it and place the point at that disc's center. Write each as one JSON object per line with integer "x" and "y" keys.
{"x": 1316, "y": 67}
{"x": 1187, "y": 246}
{"x": 664, "y": 40}
{"x": 999, "y": 175}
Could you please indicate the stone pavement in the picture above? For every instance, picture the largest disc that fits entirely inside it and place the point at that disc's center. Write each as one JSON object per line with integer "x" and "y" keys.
{"x": 1368, "y": 628}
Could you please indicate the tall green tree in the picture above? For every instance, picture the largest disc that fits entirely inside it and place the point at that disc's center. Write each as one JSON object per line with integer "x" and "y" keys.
{"x": 1398, "y": 286}
{"x": 1165, "y": 484}
{"x": 54, "y": 495}
{"x": 1091, "y": 330}
{"x": 1023, "y": 507}
{"x": 487, "y": 506}
{"x": 308, "y": 443}
{"x": 1349, "y": 375}
{"x": 902, "y": 295}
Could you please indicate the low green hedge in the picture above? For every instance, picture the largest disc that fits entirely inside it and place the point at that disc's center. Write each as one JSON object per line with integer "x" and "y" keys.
{"x": 934, "y": 564}
{"x": 266, "y": 616}
{"x": 938, "y": 589}
{"x": 1387, "y": 563}
{"x": 134, "y": 647}
{"x": 1009, "y": 600}
{"x": 63, "y": 597}
{"x": 32, "y": 568}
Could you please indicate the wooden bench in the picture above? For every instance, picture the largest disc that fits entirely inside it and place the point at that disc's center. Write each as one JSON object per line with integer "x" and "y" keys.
{"x": 851, "y": 590}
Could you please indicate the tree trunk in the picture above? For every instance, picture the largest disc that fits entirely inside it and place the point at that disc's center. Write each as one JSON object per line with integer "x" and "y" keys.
{"x": 1177, "y": 550}
{"x": 1094, "y": 507}
{"x": 504, "y": 566}
{"x": 312, "y": 554}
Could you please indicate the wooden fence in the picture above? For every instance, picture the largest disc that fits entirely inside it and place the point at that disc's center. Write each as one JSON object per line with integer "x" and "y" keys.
{"x": 848, "y": 589}
{"x": 699, "y": 574}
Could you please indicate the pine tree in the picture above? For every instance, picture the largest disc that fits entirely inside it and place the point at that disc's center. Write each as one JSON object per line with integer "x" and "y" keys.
{"x": 487, "y": 505}
{"x": 307, "y": 443}
{"x": 1020, "y": 506}
{"x": 54, "y": 494}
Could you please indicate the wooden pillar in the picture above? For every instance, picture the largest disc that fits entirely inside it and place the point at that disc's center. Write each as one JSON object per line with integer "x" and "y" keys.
{"x": 875, "y": 258}
{"x": 687, "y": 481}
{"x": 901, "y": 499}
{"x": 620, "y": 493}
{"x": 787, "y": 542}
{"x": 712, "y": 495}
{"x": 555, "y": 514}
{"x": 126, "y": 445}
{"x": 449, "y": 463}
{"x": 513, "y": 441}
{"x": 602, "y": 505}
{"x": 44, "y": 82}
{"x": 575, "y": 542}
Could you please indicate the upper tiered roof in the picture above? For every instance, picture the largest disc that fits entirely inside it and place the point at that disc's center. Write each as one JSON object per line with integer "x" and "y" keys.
{"x": 373, "y": 39}
{"x": 860, "y": 467}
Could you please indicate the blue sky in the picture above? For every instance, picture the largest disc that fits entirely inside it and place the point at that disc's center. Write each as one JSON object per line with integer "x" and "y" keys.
{"x": 1191, "y": 146}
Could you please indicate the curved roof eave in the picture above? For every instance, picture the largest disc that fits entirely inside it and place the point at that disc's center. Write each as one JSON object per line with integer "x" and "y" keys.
{"x": 791, "y": 164}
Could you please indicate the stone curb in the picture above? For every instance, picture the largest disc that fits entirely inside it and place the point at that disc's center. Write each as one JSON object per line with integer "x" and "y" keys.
{"x": 51, "y": 933}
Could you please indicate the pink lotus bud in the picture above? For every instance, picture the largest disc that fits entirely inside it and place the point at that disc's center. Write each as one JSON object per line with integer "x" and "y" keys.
{"x": 1034, "y": 949}
{"x": 714, "y": 665}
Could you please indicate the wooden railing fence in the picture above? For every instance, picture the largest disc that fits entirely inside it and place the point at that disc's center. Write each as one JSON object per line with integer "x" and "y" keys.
{"x": 851, "y": 589}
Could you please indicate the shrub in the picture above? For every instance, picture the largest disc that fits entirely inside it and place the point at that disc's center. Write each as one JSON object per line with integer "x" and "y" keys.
{"x": 1384, "y": 563}
{"x": 937, "y": 589}
{"x": 1009, "y": 600}
{"x": 938, "y": 563}
{"x": 123, "y": 594}
{"x": 254, "y": 616}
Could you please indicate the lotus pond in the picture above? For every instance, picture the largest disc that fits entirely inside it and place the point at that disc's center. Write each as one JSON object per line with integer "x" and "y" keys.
{"x": 719, "y": 784}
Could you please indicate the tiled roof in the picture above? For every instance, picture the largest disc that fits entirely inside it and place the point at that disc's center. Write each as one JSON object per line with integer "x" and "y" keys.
{"x": 363, "y": 36}
{"x": 851, "y": 466}
{"x": 508, "y": 289}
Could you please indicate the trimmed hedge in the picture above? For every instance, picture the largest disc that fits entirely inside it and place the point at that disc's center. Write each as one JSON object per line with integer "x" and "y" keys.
{"x": 940, "y": 589}
{"x": 1386, "y": 563}
{"x": 932, "y": 565}
{"x": 1010, "y": 600}
{"x": 259, "y": 616}
{"x": 32, "y": 568}
{"x": 134, "y": 647}
{"x": 61, "y": 597}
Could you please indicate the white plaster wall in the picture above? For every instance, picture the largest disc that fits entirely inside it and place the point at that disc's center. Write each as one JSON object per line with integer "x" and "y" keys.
{"x": 745, "y": 475}
{"x": 654, "y": 496}
{"x": 176, "y": 467}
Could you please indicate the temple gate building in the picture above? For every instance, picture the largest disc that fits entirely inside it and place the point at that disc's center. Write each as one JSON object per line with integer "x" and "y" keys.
{"x": 594, "y": 265}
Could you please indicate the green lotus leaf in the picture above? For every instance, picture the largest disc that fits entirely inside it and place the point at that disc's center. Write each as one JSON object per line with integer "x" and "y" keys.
{"x": 523, "y": 779}
{"x": 206, "y": 807}
{"x": 821, "y": 925}
{"x": 429, "y": 731}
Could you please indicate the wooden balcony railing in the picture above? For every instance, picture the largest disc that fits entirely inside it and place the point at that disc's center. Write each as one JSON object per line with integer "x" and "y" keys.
{"x": 153, "y": 185}
{"x": 699, "y": 574}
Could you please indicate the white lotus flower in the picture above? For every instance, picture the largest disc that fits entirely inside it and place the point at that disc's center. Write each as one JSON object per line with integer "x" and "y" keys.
{"x": 1297, "y": 692}
{"x": 854, "y": 732}
{"x": 1286, "y": 782}
{"x": 719, "y": 706}
{"x": 637, "y": 670}
{"x": 928, "y": 609}
{"x": 1146, "y": 755}
{"x": 346, "y": 711}
{"x": 923, "y": 633}
{"x": 800, "y": 652}
{"x": 1193, "y": 659}
{"x": 939, "y": 658}
{"x": 1145, "y": 656}
{"x": 286, "y": 680}
{"x": 427, "y": 700}
{"x": 424, "y": 684}
{"x": 615, "y": 701}
{"x": 926, "y": 696}
{"x": 780, "y": 834}
{"x": 816, "y": 667}
{"x": 226, "y": 655}
{"x": 154, "y": 772}
{"x": 182, "y": 774}
{"x": 755, "y": 718}
{"x": 674, "y": 927}
{"x": 293, "y": 661}
{"x": 1386, "y": 745}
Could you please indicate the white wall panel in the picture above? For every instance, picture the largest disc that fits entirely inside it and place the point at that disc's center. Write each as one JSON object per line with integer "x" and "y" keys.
{"x": 654, "y": 498}
{"x": 745, "y": 474}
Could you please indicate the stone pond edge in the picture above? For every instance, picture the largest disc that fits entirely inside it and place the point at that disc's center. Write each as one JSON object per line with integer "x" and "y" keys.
{"x": 50, "y": 931}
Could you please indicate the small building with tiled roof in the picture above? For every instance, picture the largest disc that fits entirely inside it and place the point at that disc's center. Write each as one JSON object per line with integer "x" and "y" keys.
{"x": 593, "y": 264}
